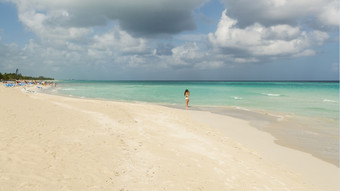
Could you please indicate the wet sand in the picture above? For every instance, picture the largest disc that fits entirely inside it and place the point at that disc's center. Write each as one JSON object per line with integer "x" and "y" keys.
{"x": 319, "y": 137}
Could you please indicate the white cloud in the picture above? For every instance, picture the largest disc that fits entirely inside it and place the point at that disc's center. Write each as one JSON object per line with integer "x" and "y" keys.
{"x": 248, "y": 12}
{"x": 42, "y": 24}
{"x": 99, "y": 54}
{"x": 148, "y": 17}
{"x": 188, "y": 51}
{"x": 258, "y": 40}
{"x": 119, "y": 40}
{"x": 76, "y": 35}
{"x": 190, "y": 55}
{"x": 329, "y": 14}
{"x": 73, "y": 46}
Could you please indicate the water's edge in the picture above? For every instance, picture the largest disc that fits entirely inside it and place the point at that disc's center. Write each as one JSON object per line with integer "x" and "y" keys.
{"x": 288, "y": 131}
{"x": 273, "y": 124}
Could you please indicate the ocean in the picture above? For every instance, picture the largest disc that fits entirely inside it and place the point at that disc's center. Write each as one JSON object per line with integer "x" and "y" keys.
{"x": 304, "y": 115}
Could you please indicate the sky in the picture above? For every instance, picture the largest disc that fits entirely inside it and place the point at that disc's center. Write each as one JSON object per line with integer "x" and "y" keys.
{"x": 171, "y": 39}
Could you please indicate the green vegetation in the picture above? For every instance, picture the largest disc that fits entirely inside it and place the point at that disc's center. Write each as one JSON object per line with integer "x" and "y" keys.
{"x": 17, "y": 76}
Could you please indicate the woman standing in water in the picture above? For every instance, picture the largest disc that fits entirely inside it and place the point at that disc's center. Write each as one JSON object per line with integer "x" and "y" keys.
{"x": 186, "y": 94}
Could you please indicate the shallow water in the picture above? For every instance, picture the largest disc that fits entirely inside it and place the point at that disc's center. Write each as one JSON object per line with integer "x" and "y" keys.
{"x": 302, "y": 98}
{"x": 302, "y": 115}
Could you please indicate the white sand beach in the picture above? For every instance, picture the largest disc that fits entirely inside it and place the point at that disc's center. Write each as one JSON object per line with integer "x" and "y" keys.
{"x": 59, "y": 143}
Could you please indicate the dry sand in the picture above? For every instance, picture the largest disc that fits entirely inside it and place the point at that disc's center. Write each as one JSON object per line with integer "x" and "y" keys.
{"x": 58, "y": 143}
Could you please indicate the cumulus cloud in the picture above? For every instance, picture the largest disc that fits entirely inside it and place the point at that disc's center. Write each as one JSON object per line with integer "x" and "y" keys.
{"x": 267, "y": 13}
{"x": 257, "y": 40}
{"x": 144, "y": 18}
{"x": 46, "y": 27}
{"x": 107, "y": 36}
{"x": 191, "y": 55}
{"x": 329, "y": 14}
{"x": 186, "y": 52}
{"x": 118, "y": 40}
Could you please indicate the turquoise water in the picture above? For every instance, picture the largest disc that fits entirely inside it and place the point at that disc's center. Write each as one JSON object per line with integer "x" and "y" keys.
{"x": 310, "y": 109}
{"x": 314, "y": 99}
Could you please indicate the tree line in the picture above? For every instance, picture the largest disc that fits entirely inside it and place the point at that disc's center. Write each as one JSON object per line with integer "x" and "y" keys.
{"x": 16, "y": 76}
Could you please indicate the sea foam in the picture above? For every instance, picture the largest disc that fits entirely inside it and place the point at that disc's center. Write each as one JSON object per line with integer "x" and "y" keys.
{"x": 328, "y": 100}
{"x": 274, "y": 95}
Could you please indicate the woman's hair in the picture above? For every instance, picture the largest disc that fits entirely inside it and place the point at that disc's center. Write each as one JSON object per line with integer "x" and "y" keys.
{"x": 186, "y": 91}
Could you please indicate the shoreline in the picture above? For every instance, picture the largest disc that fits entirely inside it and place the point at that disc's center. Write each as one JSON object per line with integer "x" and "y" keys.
{"x": 294, "y": 137}
{"x": 153, "y": 147}
{"x": 265, "y": 144}
{"x": 275, "y": 123}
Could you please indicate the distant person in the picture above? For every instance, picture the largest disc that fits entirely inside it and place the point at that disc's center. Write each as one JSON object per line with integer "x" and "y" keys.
{"x": 186, "y": 94}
